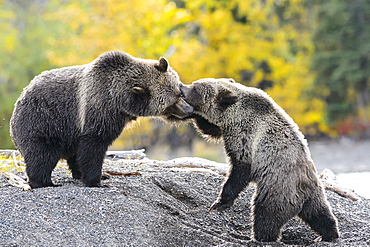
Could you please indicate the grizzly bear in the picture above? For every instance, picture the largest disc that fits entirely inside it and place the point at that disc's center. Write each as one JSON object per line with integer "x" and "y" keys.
{"x": 264, "y": 147}
{"x": 76, "y": 112}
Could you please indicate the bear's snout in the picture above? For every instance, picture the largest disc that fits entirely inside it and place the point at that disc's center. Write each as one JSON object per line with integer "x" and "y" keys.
{"x": 180, "y": 110}
{"x": 184, "y": 109}
{"x": 184, "y": 90}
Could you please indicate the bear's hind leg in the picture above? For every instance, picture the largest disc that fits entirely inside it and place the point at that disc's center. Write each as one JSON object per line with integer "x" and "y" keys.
{"x": 90, "y": 157}
{"x": 40, "y": 162}
{"x": 72, "y": 163}
{"x": 317, "y": 214}
{"x": 271, "y": 211}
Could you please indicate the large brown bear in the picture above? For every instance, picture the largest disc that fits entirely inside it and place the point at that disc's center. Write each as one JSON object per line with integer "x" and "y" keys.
{"x": 264, "y": 147}
{"x": 76, "y": 112}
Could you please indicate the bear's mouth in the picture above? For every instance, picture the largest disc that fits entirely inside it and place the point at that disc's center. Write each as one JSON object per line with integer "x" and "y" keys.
{"x": 172, "y": 118}
{"x": 180, "y": 110}
{"x": 184, "y": 89}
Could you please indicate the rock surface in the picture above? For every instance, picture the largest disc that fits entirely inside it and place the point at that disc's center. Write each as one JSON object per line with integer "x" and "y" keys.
{"x": 159, "y": 207}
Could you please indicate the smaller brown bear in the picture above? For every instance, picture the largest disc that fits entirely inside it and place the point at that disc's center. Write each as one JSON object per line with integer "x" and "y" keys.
{"x": 264, "y": 147}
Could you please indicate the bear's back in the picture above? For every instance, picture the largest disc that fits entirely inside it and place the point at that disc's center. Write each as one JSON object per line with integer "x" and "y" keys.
{"x": 48, "y": 106}
{"x": 268, "y": 122}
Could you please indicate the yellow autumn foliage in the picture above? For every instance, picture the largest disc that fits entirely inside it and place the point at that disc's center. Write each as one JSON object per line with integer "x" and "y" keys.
{"x": 201, "y": 39}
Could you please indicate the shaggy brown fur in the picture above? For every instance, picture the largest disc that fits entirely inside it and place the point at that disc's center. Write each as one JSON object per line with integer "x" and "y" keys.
{"x": 76, "y": 112}
{"x": 264, "y": 147}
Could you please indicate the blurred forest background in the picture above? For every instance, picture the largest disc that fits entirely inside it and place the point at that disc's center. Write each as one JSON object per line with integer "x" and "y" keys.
{"x": 311, "y": 56}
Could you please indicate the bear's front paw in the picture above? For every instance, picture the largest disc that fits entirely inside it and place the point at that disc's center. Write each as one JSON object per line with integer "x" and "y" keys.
{"x": 219, "y": 205}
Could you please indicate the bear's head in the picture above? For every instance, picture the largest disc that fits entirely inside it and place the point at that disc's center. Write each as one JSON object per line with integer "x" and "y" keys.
{"x": 211, "y": 98}
{"x": 151, "y": 88}
{"x": 169, "y": 100}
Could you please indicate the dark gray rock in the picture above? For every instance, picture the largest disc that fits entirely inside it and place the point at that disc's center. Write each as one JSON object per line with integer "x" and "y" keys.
{"x": 160, "y": 207}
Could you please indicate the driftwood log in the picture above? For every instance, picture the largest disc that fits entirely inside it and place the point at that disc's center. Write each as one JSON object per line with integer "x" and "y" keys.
{"x": 16, "y": 181}
{"x": 329, "y": 181}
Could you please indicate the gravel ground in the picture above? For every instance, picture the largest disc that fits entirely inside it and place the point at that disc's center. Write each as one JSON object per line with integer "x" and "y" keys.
{"x": 160, "y": 207}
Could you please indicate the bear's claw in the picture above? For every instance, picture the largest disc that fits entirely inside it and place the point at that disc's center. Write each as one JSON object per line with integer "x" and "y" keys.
{"x": 220, "y": 205}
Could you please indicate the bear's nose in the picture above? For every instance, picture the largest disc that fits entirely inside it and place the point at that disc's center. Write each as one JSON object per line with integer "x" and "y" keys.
{"x": 184, "y": 90}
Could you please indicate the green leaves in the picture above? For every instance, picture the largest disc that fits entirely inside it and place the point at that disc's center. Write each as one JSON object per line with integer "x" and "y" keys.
{"x": 342, "y": 58}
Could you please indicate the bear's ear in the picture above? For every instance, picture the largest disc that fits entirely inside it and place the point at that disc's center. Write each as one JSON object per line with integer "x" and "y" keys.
{"x": 139, "y": 91}
{"x": 162, "y": 66}
{"x": 226, "y": 98}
